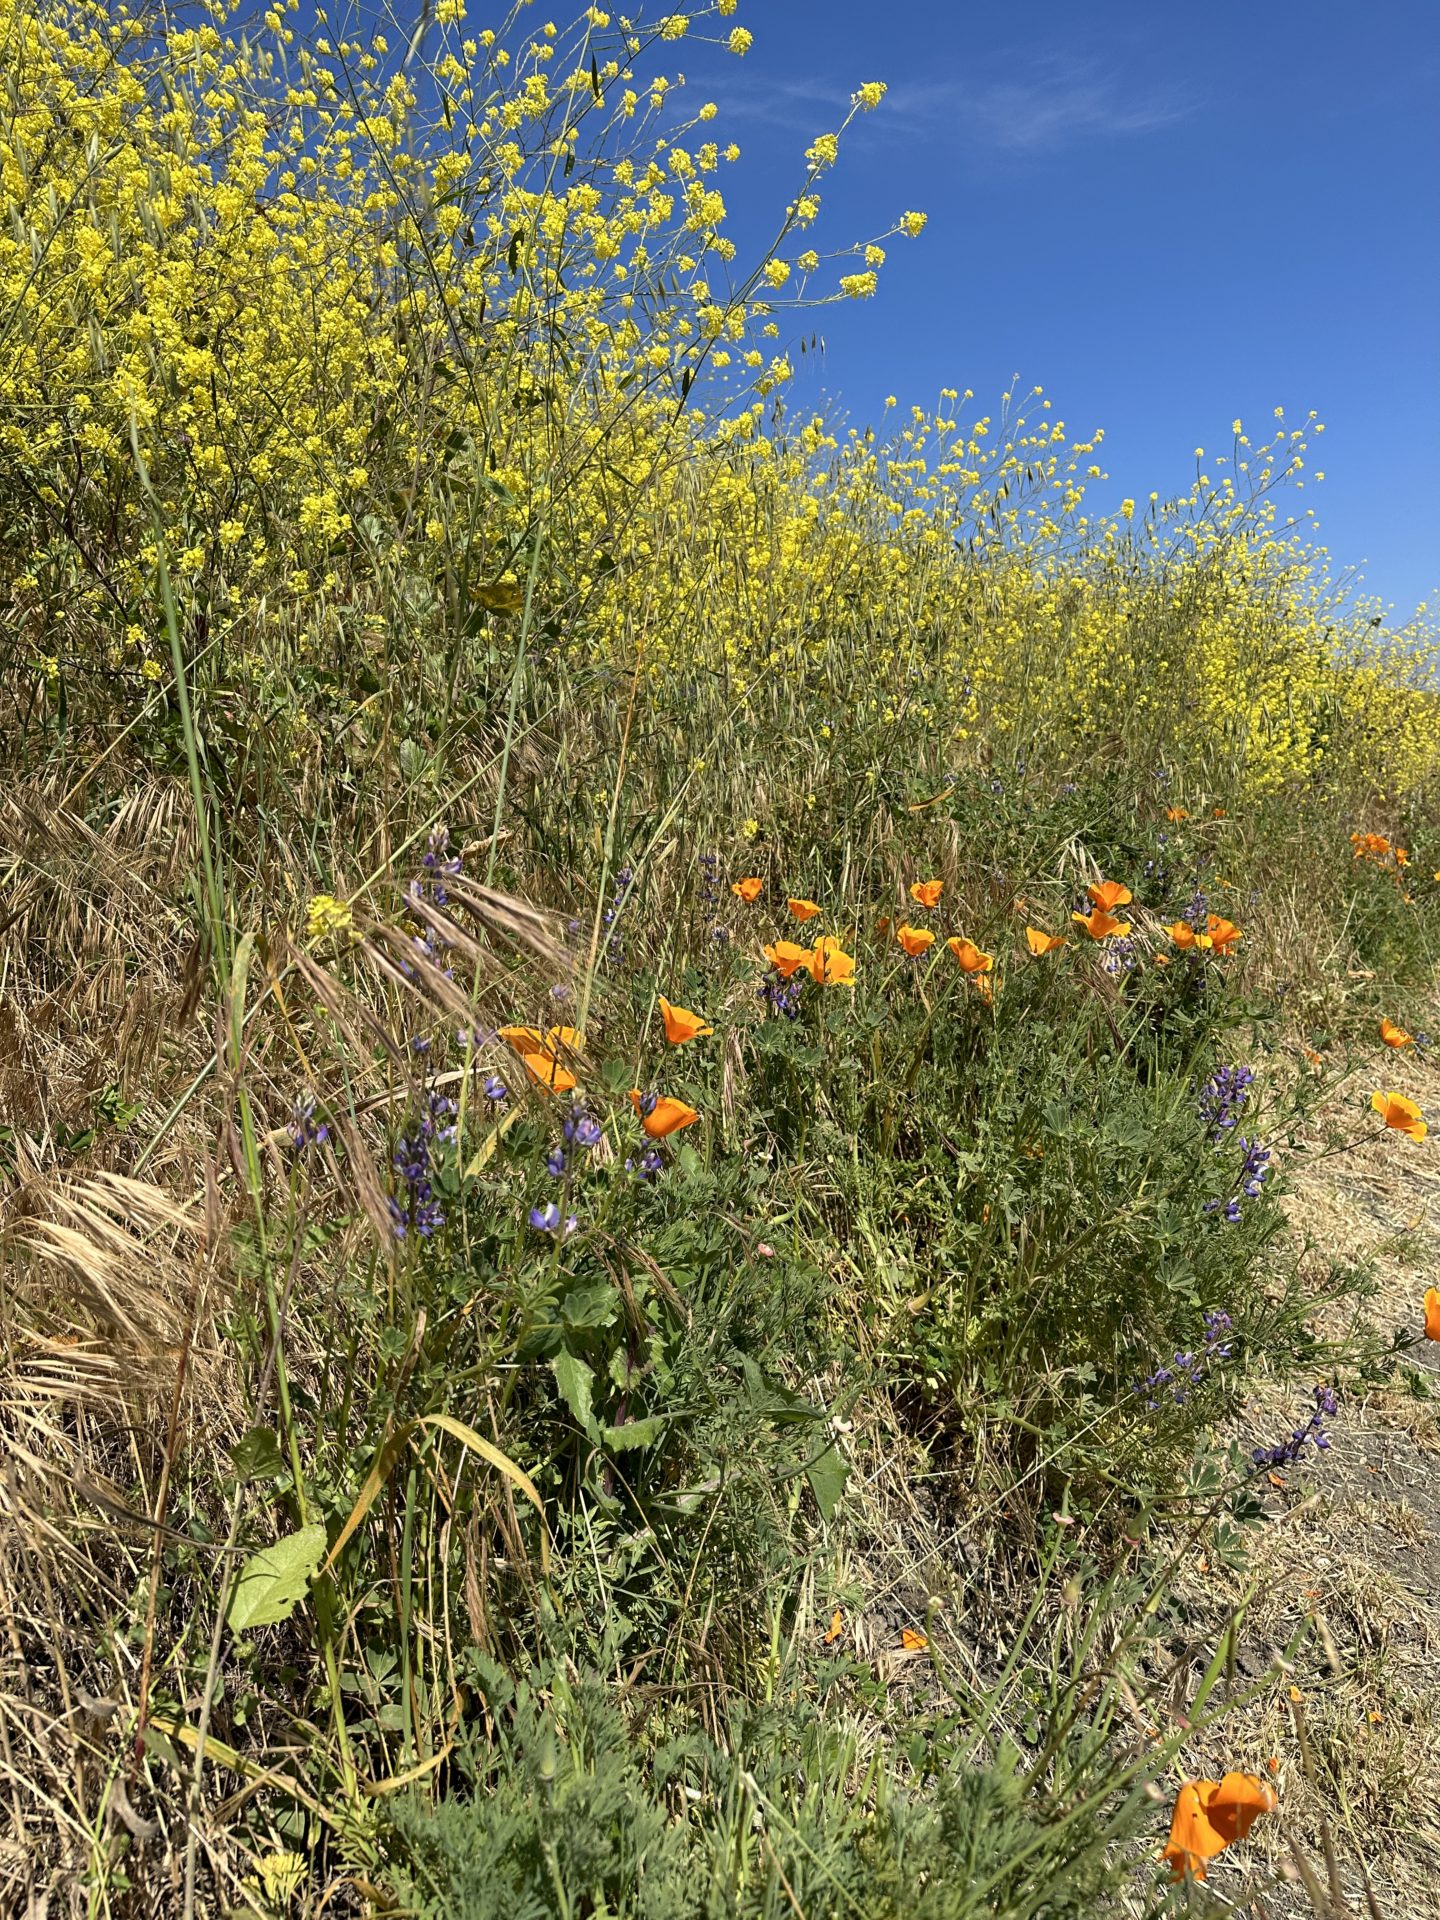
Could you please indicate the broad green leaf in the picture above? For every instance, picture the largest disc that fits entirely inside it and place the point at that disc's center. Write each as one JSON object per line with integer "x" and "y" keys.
{"x": 635, "y": 1433}
{"x": 576, "y": 1383}
{"x": 256, "y": 1455}
{"x": 827, "y": 1476}
{"x": 274, "y": 1580}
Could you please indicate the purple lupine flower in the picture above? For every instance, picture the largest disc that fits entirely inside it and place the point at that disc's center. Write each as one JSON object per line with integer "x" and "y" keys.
{"x": 647, "y": 1166}
{"x": 781, "y": 996}
{"x": 439, "y": 864}
{"x": 1197, "y": 914}
{"x": 1286, "y": 1452}
{"x": 1223, "y": 1096}
{"x": 1187, "y": 1371}
{"x": 1254, "y": 1168}
{"x": 303, "y": 1130}
{"x": 710, "y": 872}
{"x": 581, "y": 1129}
{"x": 547, "y": 1219}
{"x": 1120, "y": 956}
{"x": 555, "y": 1162}
{"x": 496, "y": 1089}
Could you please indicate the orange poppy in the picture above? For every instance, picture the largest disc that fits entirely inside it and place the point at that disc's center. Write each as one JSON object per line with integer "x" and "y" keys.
{"x": 914, "y": 939}
{"x": 546, "y": 1071}
{"x": 1101, "y": 924}
{"x": 531, "y": 1040}
{"x": 837, "y": 1627}
{"x": 1402, "y": 858}
{"x": 984, "y": 988}
{"x": 969, "y": 955}
{"x": 1109, "y": 894}
{"x": 665, "y": 1116}
{"x": 927, "y": 892}
{"x": 803, "y": 909}
{"x": 1394, "y": 1036}
{"x": 1211, "y": 1815}
{"x": 680, "y": 1024}
{"x": 882, "y": 925}
{"x": 1399, "y": 1114}
{"x": 911, "y": 1641}
{"x": 1177, "y": 814}
{"x": 1432, "y": 1314}
{"x": 786, "y": 957}
{"x": 1217, "y": 813}
{"x": 1223, "y": 933}
{"x": 1039, "y": 941}
{"x": 748, "y": 889}
{"x": 830, "y": 965}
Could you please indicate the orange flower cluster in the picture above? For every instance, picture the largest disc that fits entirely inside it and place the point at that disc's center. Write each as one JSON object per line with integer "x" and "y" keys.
{"x": 1375, "y": 848}
{"x": 826, "y": 962}
{"x": 1217, "y": 936}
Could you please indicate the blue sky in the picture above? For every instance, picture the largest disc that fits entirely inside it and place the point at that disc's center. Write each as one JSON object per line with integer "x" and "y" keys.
{"x": 1164, "y": 216}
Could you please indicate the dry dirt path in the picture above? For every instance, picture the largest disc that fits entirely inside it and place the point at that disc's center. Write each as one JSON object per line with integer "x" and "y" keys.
{"x": 1350, "y": 1552}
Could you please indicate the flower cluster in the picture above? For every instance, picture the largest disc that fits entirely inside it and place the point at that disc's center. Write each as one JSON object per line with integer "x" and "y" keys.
{"x": 1187, "y": 1371}
{"x": 414, "y": 1208}
{"x": 1287, "y": 1452}
{"x": 304, "y": 1130}
{"x": 1223, "y": 1097}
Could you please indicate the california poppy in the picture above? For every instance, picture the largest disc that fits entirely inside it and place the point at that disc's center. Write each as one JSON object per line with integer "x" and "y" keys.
{"x": 1100, "y": 924}
{"x": 830, "y": 965}
{"x": 837, "y": 1627}
{"x": 680, "y": 1024}
{"x": 524, "y": 1039}
{"x": 882, "y": 925}
{"x": 1432, "y": 1314}
{"x": 1217, "y": 813}
{"x": 911, "y": 1641}
{"x": 1402, "y": 858}
{"x": 1109, "y": 894}
{"x": 1223, "y": 933}
{"x": 661, "y": 1116}
{"x": 969, "y": 956}
{"x": 546, "y": 1071}
{"x": 1399, "y": 1114}
{"x": 803, "y": 909}
{"x": 914, "y": 939}
{"x": 562, "y": 1037}
{"x": 748, "y": 889}
{"x": 1177, "y": 814}
{"x": 927, "y": 892}
{"x": 786, "y": 957}
{"x": 1211, "y": 1815}
{"x": 1039, "y": 941}
{"x": 1394, "y": 1036}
